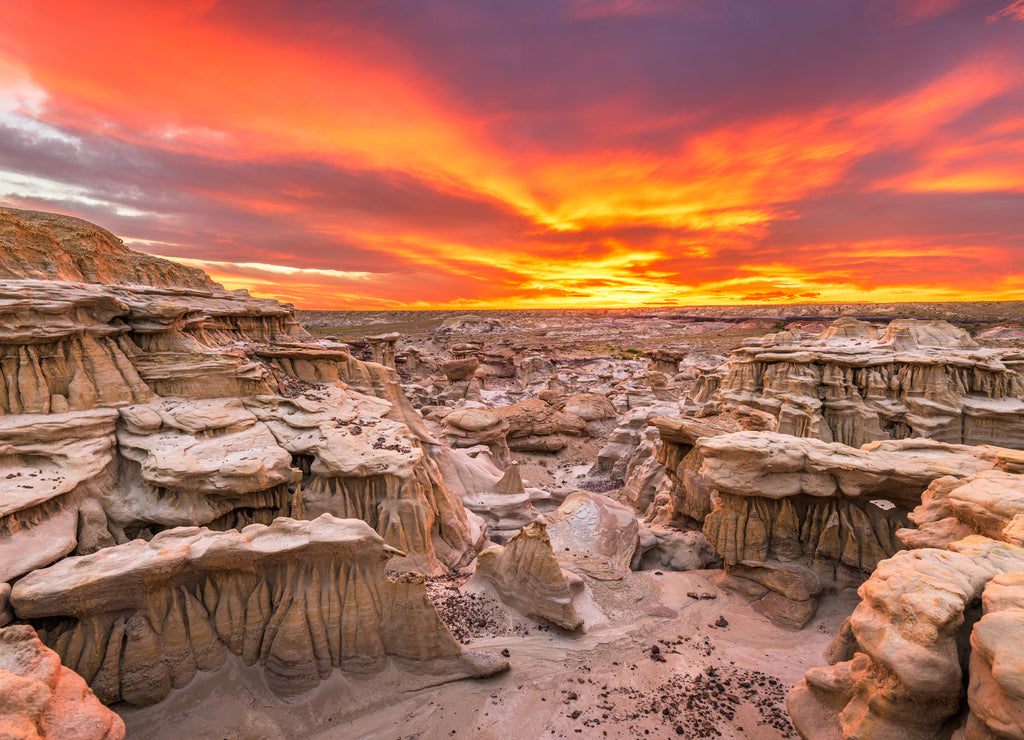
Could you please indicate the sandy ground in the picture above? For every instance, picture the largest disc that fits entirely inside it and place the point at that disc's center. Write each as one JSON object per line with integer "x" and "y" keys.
{"x": 701, "y": 680}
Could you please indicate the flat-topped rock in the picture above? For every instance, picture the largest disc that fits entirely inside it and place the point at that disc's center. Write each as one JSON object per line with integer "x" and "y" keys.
{"x": 299, "y": 598}
{"x": 857, "y": 383}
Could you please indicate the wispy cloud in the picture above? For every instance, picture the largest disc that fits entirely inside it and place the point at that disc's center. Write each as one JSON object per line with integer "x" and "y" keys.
{"x": 587, "y": 151}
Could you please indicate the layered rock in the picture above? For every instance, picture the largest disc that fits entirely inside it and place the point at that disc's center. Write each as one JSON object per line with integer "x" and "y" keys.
{"x": 358, "y": 463}
{"x": 50, "y": 246}
{"x": 990, "y": 503}
{"x": 995, "y": 694}
{"x": 298, "y": 598}
{"x": 527, "y": 577}
{"x": 499, "y": 498}
{"x": 170, "y": 357}
{"x": 41, "y": 699}
{"x": 798, "y": 515}
{"x": 857, "y": 383}
{"x": 897, "y": 666}
{"x": 53, "y": 470}
{"x": 197, "y": 462}
{"x": 530, "y": 425}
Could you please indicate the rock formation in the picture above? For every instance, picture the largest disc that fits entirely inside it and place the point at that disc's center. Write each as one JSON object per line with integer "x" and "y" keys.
{"x": 133, "y": 410}
{"x": 857, "y": 383}
{"x": 798, "y": 515}
{"x": 897, "y": 664}
{"x": 528, "y": 578}
{"x": 896, "y": 669}
{"x": 593, "y": 535}
{"x": 53, "y": 469}
{"x": 995, "y": 693}
{"x": 41, "y": 699}
{"x": 299, "y": 598}
{"x": 499, "y": 498}
{"x": 49, "y": 246}
{"x": 530, "y": 425}
{"x": 161, "y": 400}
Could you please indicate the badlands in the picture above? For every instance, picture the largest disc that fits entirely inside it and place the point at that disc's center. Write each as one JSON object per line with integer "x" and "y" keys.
{"x": 223, "y": 518}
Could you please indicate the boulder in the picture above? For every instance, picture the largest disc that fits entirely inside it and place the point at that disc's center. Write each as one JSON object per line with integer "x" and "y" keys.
{"x": 594, "y": 535}
{"x": 42, "y": 700}
{"x": 527, "y": 577}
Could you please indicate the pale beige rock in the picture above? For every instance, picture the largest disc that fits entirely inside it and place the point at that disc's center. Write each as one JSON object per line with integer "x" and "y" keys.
{"x": 667, "y": 548}
{"x": 854, "y": 384}
{"x": 298, "y": 597}
{"x": 49, "y": 464}
{"x": 528, "y": 578}
{"x": 530, "y": 425}
{"x": 359, "y": 463}
{"x": 198, "y": 462}
{"x": 995, "y": 693}
{"x": 899, "y": 673}
{"x": 486, "y": 491}
{"x": 42, "y": 700}
{"x": 593, "y": 535}
{"x": 990, "y": 503}
{"x": 800, "y": 505}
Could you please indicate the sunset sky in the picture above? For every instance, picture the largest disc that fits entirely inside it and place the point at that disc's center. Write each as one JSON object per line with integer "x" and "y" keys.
{"x": 538, "y": 153}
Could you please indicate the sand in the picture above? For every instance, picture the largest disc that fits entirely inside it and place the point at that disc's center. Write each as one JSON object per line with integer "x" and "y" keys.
{"x": 701, "y": 680}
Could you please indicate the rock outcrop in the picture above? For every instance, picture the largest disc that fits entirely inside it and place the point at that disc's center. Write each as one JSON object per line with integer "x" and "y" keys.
{"x": 995, "y": 693}
{"x": 50, "y": 246}
{"x": 42, "y": 700}
{"x": 857, "y": 383}
{"x": 527, "y": 577}
{"x": 53, "y": 470}
{"x": 897, "y": 667}
{"x": 799, "y": 515}
{"x": 899, "y": 659}
{"x": 528, "y": 426}
{"x": 159, "y": 399}
{"x": 594, "y": 535}
{"x": 499, "y": 498}
{"x": 298, "y": 598}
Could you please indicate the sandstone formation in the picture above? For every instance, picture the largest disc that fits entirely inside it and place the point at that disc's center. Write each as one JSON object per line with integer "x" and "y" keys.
{"x": 897, "y": 670}
{"x": 528, "y": 578}
{"x": 53, "y": 469}
{"x": 857, "y": 383}
{"x": 299, "y": 598}
{"x": 530, "y": 425}
{"x": 40, "y": 699}
{"x": 995, "y": 693}
{"x": 671, "y": 549}
{"x": 621, "y": 451}
{"x": 799, "y": 515}
{"x": 49, "y": 246}
{"x": 164, "y": 400}
{"x": 593, "y": 535}
{"x": 499, "y": 498}
{"x": 990, "y": 503}
{"x": 897, "y": 664}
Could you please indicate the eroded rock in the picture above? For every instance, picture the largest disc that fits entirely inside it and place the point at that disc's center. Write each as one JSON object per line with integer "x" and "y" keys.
{"x": 528, "y": 578}
{"x": 298, "y": 598}
{"x": 40, "y": 699}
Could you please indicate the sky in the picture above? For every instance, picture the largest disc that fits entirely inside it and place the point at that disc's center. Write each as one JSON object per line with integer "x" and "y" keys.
{"x": 533, "y": 154}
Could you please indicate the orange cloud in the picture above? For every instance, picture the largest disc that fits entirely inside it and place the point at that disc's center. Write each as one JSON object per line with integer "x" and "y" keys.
{"x": 450, "y": 155}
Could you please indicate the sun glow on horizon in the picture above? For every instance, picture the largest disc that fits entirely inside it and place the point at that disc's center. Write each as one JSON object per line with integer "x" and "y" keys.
{"x": 350, "y": 157}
